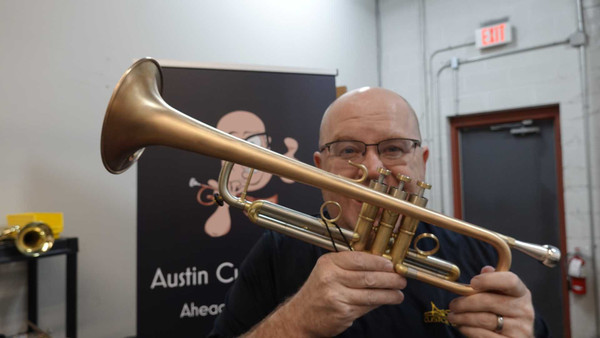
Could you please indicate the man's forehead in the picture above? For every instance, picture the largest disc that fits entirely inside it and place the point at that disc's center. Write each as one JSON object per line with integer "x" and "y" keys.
{"x": 374, "y": 113}
{"x": 373, "y": 101}
{"x": 380, "y": 118}
{"x": 369, "y": 127}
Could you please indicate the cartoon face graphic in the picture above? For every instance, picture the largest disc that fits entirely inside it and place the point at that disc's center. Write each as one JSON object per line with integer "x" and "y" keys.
{"x": 247, "y": 126}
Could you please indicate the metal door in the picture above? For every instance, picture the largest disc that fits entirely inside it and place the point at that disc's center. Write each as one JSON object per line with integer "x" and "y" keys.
{"x": 509, "y": 183}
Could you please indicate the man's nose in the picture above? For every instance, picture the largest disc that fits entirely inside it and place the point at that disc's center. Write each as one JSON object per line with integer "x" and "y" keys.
{"x": 372, "y": 162}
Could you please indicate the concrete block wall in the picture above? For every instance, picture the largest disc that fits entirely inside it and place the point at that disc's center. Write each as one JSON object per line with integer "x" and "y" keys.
{"x": 534, "y": 78}
{"x": 591, "y": 17}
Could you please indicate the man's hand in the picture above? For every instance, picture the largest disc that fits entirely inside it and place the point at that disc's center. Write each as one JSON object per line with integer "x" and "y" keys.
{"x": 342, "y": 287}
{"x": 500, "y": 294}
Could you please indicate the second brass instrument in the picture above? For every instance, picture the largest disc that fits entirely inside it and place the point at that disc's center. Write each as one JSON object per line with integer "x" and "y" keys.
{"x": 31, "y": 239}
{"x": 137, "y": 117}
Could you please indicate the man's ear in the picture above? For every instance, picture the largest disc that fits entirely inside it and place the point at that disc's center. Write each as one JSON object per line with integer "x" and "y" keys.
{"x": 317, "y": 159}
{"x": 425, "y": 154}
{"x": 421, "y": 160}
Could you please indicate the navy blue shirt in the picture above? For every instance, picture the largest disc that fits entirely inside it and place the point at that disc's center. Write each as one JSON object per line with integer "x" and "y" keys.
{"x": 278, "y": 266}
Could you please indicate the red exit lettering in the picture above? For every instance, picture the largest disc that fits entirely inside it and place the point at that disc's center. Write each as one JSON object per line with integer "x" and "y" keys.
{"x": 493, "y": 35}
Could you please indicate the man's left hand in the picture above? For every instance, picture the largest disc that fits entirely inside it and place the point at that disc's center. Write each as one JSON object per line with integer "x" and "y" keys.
{"x": 502, "y": 307}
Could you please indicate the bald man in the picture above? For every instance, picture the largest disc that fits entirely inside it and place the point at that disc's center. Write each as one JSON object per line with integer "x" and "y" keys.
{"x": 290, "y": 288}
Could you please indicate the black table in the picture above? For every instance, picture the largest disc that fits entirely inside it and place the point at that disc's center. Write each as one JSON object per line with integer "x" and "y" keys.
{"x": 62, "y": 246}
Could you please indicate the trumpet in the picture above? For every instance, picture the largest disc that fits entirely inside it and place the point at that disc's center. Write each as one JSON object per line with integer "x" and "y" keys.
{"x": 137, "y": 117}
{"x": 32, "y": 239}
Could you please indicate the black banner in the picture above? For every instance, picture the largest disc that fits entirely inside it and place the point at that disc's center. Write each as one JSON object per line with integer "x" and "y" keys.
{"x": 189, "y": 249}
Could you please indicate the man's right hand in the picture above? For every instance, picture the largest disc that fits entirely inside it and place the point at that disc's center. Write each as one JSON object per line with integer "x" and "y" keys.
{"x": 342, "y": 287}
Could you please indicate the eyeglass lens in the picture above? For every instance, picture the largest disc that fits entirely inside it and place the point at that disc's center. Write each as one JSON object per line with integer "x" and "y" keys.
{"x": 389, "y": 149}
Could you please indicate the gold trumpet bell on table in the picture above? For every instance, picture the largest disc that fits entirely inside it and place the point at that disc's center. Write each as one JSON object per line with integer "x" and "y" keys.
{"x": 33, "y": 233}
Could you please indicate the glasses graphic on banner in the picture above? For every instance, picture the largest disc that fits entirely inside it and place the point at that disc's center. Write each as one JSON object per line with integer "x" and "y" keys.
{"x": 248, "y": 126}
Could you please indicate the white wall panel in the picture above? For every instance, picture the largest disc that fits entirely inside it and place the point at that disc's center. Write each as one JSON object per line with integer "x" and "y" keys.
{"x": 534, "y": 78}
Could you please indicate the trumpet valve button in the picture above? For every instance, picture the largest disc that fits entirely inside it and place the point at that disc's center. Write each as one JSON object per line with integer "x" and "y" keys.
{"x": 402, "y": 180}
{"x": 383, "y": 173}
{"x": 422, "y": 187}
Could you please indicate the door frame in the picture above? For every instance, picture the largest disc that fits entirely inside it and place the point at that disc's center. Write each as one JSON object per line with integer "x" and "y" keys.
{"x": 508, "y": 116}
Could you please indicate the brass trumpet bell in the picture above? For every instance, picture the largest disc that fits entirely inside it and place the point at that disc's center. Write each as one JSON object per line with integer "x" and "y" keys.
{"x": 121, "y": 140}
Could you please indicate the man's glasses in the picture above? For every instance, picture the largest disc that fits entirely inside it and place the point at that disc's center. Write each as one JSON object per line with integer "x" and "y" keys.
{"x": 390, "y": 151}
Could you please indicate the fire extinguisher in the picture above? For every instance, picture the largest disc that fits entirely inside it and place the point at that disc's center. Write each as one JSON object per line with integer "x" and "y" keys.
{"x": 576, "y": 273}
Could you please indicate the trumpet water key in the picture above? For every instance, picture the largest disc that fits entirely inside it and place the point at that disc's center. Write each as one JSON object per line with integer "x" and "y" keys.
{"x": 138, "y": 117}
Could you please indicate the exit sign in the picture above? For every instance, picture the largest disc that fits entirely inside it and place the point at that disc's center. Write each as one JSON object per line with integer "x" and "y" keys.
{"x": 495, "y": 35}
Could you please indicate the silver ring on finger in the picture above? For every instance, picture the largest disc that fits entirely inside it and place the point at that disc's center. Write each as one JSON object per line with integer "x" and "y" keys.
{"x": 499, "y": 323}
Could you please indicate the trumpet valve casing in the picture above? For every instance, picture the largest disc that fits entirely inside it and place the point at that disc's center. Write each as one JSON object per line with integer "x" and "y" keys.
{"x": 386, "y": 224}
{"x": 408, "y": 226}
{"x": 368, "y": 213}
{"x": 384, "y": 233}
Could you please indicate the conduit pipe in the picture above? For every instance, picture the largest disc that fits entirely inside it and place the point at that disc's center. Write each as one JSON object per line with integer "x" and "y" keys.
{"x": 378, "y": 42}
{"x": 587, "y": 133}
{"x": 430, "y": 106}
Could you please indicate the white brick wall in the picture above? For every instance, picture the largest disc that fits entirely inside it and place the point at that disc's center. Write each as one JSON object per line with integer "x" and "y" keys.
{"x": 544, "y": 76}
{"x": 592, "y": 22}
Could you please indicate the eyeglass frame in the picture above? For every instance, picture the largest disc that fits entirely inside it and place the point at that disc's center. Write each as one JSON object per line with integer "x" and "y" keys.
{"x": 416, "y": 143}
